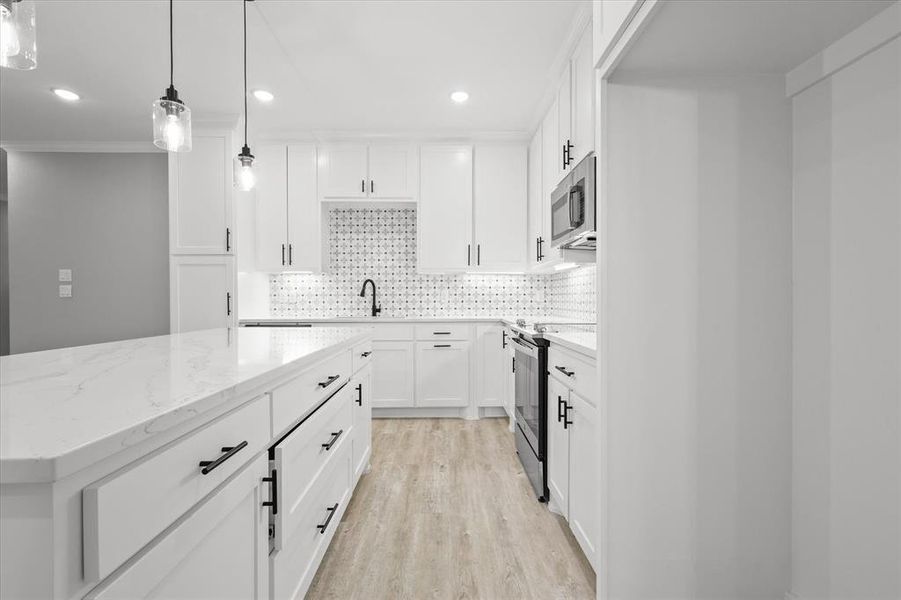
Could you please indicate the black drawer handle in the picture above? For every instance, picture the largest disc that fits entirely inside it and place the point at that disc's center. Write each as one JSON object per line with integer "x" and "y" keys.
{"x": 564, "y": 371}
{"x": 331, "y": 513}
{"x": 209, "y": 465}
{"x": 360, "y": 395}
{"x": 566, "y": 421}
{"x": 331, "y": 380}
{"x": 441, "y": 333}
{"x": 273, "y": 491}
{"x": 365, "y": 354}
{"x": 503, "y": 338}
{"x": 336, "y": 435}
{"x": 559, "y": 408}
{"x": 441, "y": 346}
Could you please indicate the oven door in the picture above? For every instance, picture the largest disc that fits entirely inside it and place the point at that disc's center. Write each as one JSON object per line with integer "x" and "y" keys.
{"x": 528, "y": 395}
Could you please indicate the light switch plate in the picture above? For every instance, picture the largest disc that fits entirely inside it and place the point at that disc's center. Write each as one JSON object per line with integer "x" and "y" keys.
{"x": 65, "y": 291}
{"x": 65, "y": 274}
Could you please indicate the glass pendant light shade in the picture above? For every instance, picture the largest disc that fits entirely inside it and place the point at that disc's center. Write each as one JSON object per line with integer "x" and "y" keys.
{"x": 171, "y": 123}
{"x": 18, "y": 39}
{"x": 244, "y": 177}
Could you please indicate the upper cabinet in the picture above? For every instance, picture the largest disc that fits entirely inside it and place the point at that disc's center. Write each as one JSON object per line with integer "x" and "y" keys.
{"x": 288, "y": 221}
{"x": 200, "y": 196}
{"x": 501, "y": 207}
{"x": 444, "y": 235}
{"x": 536, "y": 206}
{"x": 373, "y": 172}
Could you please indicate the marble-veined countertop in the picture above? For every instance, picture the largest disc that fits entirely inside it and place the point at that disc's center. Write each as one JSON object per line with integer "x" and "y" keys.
{"x": 63, "y": 410}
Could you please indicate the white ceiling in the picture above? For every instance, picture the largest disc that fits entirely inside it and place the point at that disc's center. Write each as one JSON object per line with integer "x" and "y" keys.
{"x": 742, "y": 36}
{"x": 372, "y": 66}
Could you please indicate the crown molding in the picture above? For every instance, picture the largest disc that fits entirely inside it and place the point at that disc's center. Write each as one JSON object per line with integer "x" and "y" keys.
{"x": 98, "y": 147}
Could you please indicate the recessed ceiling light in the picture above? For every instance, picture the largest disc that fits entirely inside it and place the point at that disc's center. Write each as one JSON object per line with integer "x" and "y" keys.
{"x": 263, "y": 95}
{"x": 459, "y": 96}
{"x": 66, "y": 94}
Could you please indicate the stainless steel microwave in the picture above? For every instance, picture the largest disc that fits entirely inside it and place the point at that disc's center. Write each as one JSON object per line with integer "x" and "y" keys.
{"x": 573, "y": 208}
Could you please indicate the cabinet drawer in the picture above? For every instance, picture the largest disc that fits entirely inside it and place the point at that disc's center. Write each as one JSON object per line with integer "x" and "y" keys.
{"x": 295, "y": 399}
{"x": 293, "y": 567}
{"x": 576, "y": 372}
{"x": 361, "y": 355}
{"x": 442, "y": 331}
{"x": 303, "y": 459}
{"x": 127, "y": 509}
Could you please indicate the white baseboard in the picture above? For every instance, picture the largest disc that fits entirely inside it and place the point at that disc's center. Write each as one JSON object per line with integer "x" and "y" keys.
{"x": 418, "y": 413}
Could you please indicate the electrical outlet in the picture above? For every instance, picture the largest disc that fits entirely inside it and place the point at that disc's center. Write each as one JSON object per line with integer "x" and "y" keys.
{"x": 65, "y": 274}
{"x": 65, "y": 291}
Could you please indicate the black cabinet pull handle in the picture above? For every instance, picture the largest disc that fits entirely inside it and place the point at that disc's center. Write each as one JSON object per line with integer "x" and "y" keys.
{"x": 468, "y": 255}
{"x": 441, "y": 346}
{"x": 363, "y": 185}
{"x": 365, "y": 354}
{"x": 371, "y": 186}
{"x": 209, "y": 465}
{"x": 503, "y": 338}
{"x": 478, "y": 254}
{"x": 514, "y": 364}
{"x": 336, "y": 435}
{"x": 537, "y": 249}
{"x": 331, "y": 513}
{"x": 441, "y": 333}
{"x": 329, "y": 381}
{"x": 360, "y": 395}
{"x": 228, "y": 239}
{"x": 283, "y": 255}
{"x": 273, "y": 491}
{"x": 564, "y": 371}
{"x": 566, "y": 421}
{"x": 540, "y": 248}
{"x": 290, "y": 254}
{"x": 559, "y": 408}
{"x": 564, "y": 156}
{"x": 228, "y": 303}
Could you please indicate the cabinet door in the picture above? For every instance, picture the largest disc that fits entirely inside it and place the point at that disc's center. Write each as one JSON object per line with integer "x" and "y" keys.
{"x": 564, "y": 120}
{"x": 582, "y": 99}
{"x": 201, "y": 292}
{"x": 271, "y": 193}
{"x": 558, "y": 442}
{"x": 491, "y": 365}
{"x": 392, "y": 374}
{"x": 342, "y": 171}
{"x": 304, "y": 213}
{"x": 536, "y": 214}
{"x": 442, "y": 374}
{"x": 445, "y": 209}
{"x": 362, "y": 442}
{"x": 501, "y": 207}
{"x": 583, "y": 474}
{"x": 551, "y": 169}
{"x": 200, "y": 196}
{"x": 392, "y": 172}
{"x": 219, "y": 551}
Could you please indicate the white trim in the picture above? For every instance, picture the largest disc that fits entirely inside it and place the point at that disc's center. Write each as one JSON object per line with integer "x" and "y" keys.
{"x": 99, "y": 147}
{"x": 423, "y": 412}
{"x": 878, "y": 31}
{"x": 630, "y": 34}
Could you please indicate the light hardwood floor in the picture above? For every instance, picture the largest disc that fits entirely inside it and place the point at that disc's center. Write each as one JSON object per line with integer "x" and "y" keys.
{"x": 447, "y": 512}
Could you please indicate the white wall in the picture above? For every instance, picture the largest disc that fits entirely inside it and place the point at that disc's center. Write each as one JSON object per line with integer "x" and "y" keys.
{"x": 105, "y": 216}
{"x": 847, "y": 332}
{"x": 698, "y": 288}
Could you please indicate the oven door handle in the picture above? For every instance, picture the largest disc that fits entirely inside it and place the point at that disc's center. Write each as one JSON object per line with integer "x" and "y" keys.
{"x": 525, "y": 348}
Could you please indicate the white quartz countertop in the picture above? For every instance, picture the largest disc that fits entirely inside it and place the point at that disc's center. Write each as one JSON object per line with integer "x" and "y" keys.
{"x": 62, "y": 410}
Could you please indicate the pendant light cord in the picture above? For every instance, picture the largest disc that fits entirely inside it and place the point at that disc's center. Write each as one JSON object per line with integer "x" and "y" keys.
{"x": 245, "y": 72}
{"x": 171, "y": 50}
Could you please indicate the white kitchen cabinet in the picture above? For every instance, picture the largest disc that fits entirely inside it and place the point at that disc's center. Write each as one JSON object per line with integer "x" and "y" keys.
{"x": 288, "y": 223}
{"x": 551, "y": 160}
{"x": 582, "y": 76}
{"x": 393, "y": 382}
{"x": 442, "y": 374}
{"x": 564, "y": 122}
{"x": 583, "y": 473}
{"x": 558, "y": 446}
{"x": 362, "y": 423}
{"x": 445, "y": 212}
{"x": 219, "y": 551}
{"x": 501, "y": 207}
{"x": 536, "y": 206}
{"x": 200, "y": 196}
{"x": 201, "y": 292}
{"x": 342, "y": 171}
{"x": 491, "y": 365}
{"x": 374, "y": 172}
{"x": 610, "y": 18}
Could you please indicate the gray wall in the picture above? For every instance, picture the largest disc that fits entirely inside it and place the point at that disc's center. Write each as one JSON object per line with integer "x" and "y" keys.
{"x": 105, "y": 216}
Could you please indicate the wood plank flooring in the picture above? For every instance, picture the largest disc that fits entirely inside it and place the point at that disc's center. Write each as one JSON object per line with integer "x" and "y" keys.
{"x": 447, "y": 512}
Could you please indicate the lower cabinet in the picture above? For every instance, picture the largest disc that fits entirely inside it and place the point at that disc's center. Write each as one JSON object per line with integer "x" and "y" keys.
{"x": 393, "y": 374}
{"x": 558, "y": 442}
{"x": 218, "y": 550}
{"x": 442, "y": 378}
{"x": 491, "y": 365}
{"x": 362, "y": 408}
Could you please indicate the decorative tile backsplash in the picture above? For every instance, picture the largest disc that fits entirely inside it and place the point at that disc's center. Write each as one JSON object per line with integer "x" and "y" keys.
{"x": 380, "y": 244}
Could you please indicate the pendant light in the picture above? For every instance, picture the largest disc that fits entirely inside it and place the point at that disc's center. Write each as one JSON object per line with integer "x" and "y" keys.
{"x": 18, "y": 47}
{"x": 244, "y": 176}
{"x": 171, "y": 117}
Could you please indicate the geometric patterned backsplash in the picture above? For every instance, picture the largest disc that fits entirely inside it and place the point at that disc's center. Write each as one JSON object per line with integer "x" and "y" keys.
{"x": 380, "y": 244}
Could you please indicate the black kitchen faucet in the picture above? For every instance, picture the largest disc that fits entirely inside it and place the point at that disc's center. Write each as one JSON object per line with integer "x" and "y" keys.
{"x": 375, "y": 310}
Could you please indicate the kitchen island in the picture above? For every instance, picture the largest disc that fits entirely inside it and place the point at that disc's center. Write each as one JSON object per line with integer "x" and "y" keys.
{"x": 124, "y": 465}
